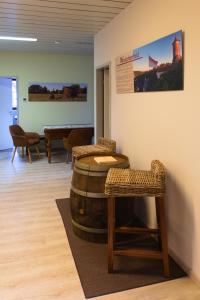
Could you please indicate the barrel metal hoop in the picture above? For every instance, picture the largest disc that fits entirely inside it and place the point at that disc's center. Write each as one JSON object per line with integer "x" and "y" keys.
{"x": 80, "y": 171}
{"x": 96, "y": 195}
{"x": 88, "y": 229}
{"x": 88, "y": 194}
{"x": 88, "y": 173}
{"x": 103, "y": 167}
{"x": 106, "y": 166}
{"x": 79, "y": 192}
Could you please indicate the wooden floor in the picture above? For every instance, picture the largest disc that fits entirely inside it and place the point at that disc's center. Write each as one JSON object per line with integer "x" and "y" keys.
{"x": 35, "y": 259}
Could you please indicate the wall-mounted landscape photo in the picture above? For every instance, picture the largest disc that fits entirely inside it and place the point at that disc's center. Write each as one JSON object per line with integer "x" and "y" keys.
{"x": 57, "y": 92}
{"x": 158, "y": 66}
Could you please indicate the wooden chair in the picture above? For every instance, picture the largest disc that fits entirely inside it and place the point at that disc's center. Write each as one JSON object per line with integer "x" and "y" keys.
{"x": 129, "y": 183}
{"x": 77, "y": 137}
{"x": 24, "y": 139}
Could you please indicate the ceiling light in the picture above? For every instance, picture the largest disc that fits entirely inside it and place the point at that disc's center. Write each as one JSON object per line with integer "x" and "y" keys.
{"x": 12, "y": 38}
{"x": 57, "y": 42}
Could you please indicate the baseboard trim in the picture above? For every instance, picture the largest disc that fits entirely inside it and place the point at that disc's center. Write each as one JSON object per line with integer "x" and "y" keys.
{"x": 187, "y": 270}
{"x": 195, "y": 279}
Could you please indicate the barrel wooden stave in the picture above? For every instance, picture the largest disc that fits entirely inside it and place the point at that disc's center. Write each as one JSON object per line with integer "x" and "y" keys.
{"x": 88, "y": 182}
{"x": 89, "y": 212}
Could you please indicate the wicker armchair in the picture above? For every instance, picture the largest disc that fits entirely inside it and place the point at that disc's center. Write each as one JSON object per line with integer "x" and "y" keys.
{"x": 77, "y": 137}
{"x": 130, "y": 183}
{"x": 24, "y": 139}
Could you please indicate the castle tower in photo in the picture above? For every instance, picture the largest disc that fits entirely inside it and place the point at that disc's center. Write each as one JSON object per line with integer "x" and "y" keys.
{"x": 176, "y": 50}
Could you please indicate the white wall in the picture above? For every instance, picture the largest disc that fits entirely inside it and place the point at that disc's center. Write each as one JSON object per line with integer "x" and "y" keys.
{"x": 162, "y": 125}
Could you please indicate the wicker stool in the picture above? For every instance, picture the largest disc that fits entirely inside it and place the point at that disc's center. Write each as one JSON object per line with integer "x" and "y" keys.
{"x": 125, "y": 183}
{"x": 104, "y": 146}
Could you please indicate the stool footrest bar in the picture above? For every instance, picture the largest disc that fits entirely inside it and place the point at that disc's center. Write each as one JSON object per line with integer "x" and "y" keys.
{"x": 136, "y": 230}
{"x": 137, "y": 252}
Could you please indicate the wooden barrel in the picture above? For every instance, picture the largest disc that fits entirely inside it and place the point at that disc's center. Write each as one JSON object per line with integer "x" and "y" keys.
{"x": 87, "y": 199}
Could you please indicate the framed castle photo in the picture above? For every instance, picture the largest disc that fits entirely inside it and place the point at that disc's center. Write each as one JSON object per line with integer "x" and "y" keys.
{"x": 158, "y": 66}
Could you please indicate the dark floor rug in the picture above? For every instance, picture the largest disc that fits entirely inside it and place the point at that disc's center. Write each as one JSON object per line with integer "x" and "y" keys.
{"x": 91, "y": 262}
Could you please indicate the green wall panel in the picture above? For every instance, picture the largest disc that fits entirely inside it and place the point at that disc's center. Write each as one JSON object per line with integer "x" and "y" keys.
{"x": 31, "y": 67}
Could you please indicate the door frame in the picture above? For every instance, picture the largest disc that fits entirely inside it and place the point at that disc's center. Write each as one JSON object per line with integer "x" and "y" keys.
{"x": 17, "y": 89}
{"x": 6, "y": 112}
{"x": 99, "y": 103}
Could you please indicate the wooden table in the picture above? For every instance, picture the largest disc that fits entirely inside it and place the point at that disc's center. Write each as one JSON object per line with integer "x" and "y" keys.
{"x": 59, "y": 132}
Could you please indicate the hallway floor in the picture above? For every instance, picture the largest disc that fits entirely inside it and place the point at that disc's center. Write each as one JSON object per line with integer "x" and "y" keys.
{"x": 35, "y": 258}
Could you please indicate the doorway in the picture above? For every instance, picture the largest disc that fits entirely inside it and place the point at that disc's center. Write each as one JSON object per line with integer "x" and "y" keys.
{"x": 8, "y": 110}
{"x": 103, "y": 102}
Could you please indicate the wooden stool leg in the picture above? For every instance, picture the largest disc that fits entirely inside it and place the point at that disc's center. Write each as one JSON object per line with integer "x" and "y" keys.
{"x": 111, "y": 233}
{"x": 14, "y": 154}
{"x": 29, "y": 155}
{"x": 163, "y": 235}
{"x": 158, "y": 222}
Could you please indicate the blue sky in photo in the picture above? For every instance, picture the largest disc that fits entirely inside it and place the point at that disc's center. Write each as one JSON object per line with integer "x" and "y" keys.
{"x": 55, "y": 86}
{"x": 160, "y": 50}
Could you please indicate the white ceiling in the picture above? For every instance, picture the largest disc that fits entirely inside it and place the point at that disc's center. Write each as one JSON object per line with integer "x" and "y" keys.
{"x": 72, "y": 23}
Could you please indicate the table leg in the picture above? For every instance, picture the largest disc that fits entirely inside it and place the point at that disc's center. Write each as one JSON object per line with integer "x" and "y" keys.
{"x": 49, "y": 150}
{"x": 22, "y": 152}
{"x": 45, "y": 145}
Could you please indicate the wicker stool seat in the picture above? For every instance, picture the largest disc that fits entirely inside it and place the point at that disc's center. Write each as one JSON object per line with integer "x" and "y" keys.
{"x": 104, "y": 146}
{"x": 128, "y": 183}
{"x": 82, "y": 151}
